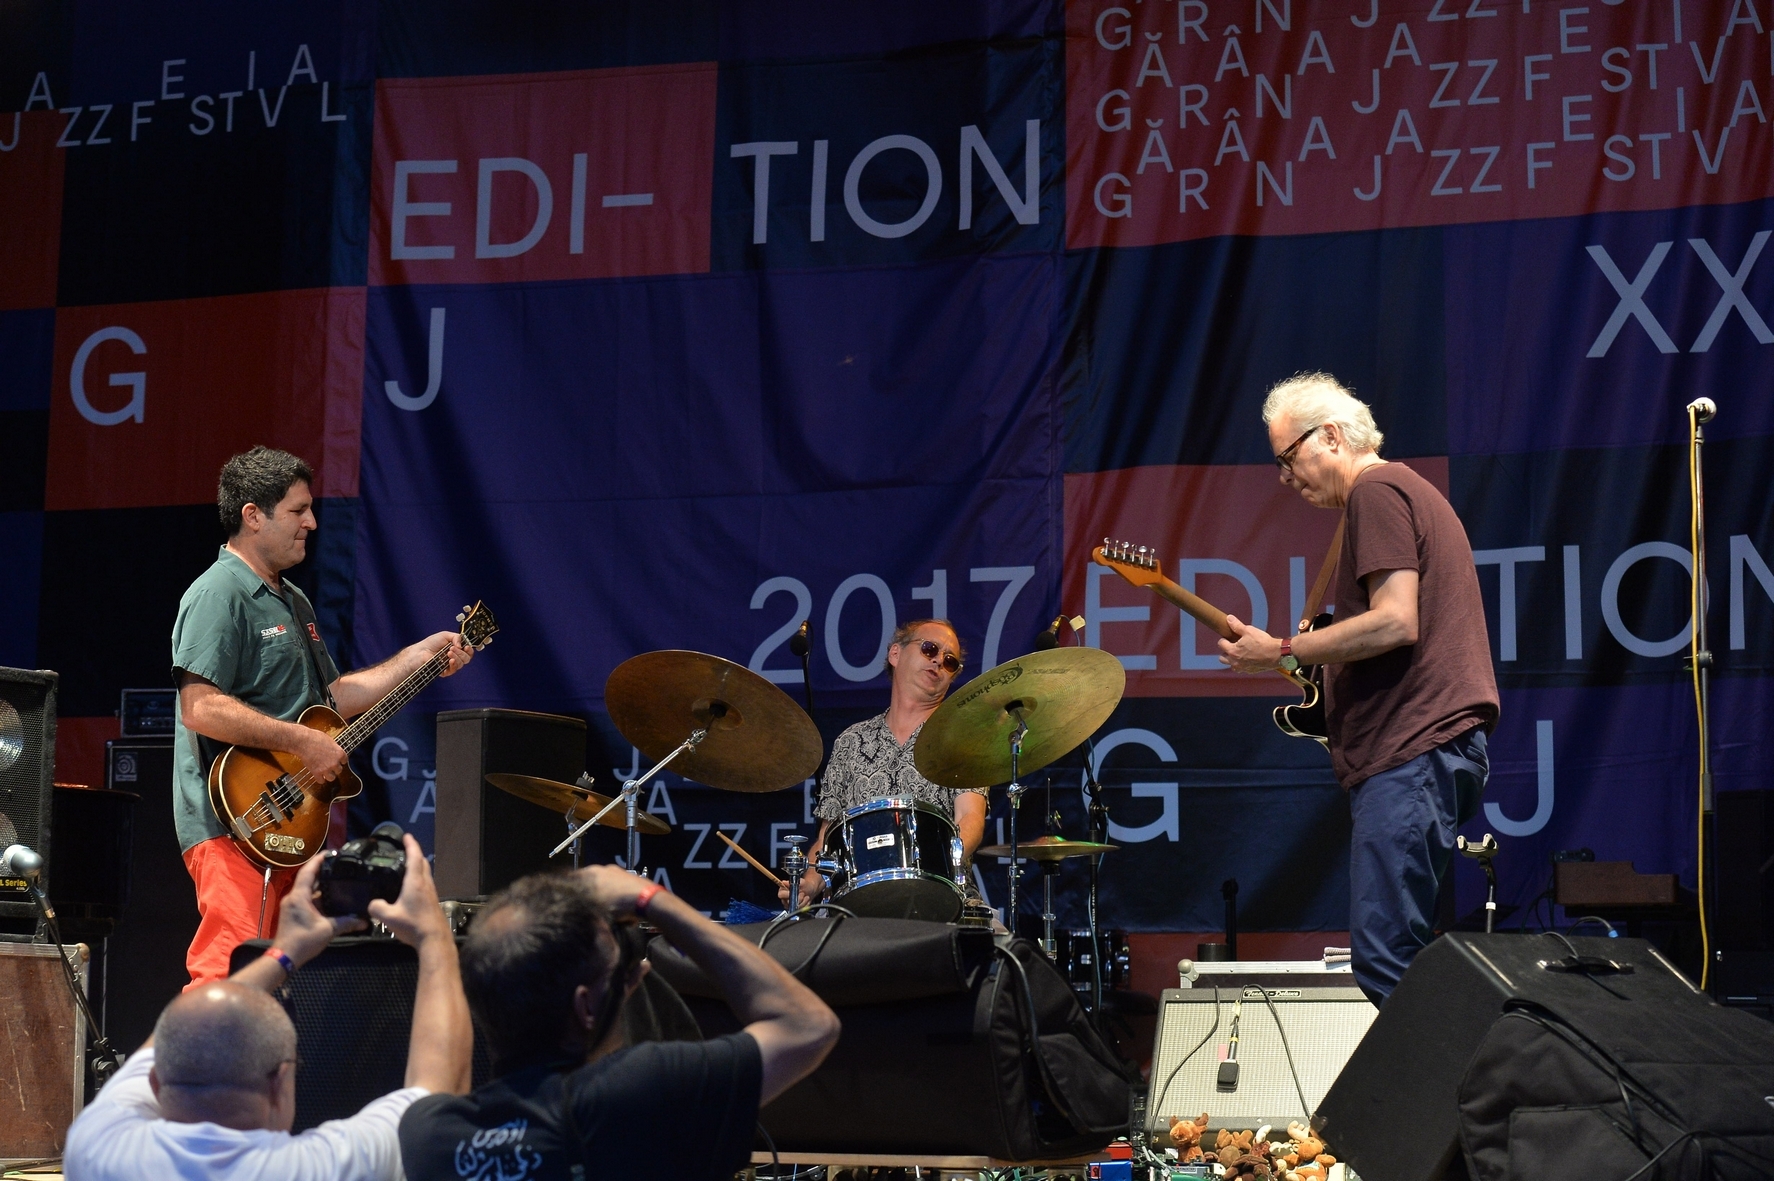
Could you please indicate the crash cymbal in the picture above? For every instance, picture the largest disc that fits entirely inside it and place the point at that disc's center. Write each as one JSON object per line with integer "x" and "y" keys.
{"x": 1048, "y": 849}
{"x": 1062, "y": 694}
{"x": 758, "y": 738}
{"x": 581, "y": 803}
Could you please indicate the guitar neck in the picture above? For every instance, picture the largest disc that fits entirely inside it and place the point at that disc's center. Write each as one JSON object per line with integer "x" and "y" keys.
{"x": 368, "y": 722}
{"x": 1203, "y": 611}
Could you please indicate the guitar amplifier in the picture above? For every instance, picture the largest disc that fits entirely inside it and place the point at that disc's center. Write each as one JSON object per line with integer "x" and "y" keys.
{"x": 1297, "y": 1041}
{"x": 486, "y": 839}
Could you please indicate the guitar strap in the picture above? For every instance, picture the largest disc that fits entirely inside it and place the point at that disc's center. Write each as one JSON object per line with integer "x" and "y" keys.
{"x": 312, "y": 643}
{"x": 1315, "y": 600}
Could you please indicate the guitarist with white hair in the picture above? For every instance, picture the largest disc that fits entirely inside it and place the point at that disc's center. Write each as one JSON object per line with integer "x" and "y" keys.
{"x": 1410, "y": 694}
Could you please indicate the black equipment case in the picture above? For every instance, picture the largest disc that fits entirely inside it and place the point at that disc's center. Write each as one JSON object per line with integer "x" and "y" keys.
{"x": 1592, "y": 1071}
{"x": 953, "y": 1043}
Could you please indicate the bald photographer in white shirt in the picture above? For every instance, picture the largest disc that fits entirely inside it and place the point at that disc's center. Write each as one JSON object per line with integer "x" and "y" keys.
{"x": 212, "y": 1094}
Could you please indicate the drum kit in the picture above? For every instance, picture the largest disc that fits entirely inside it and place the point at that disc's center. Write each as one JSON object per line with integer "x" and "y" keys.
{"x": 725, "y": 726}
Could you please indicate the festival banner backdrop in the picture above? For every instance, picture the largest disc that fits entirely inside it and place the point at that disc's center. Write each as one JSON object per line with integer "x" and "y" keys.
{"x": 672, "y": 325}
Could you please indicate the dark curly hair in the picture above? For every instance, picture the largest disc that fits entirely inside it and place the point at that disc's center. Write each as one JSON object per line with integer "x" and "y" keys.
{"x": 262, "y": 476}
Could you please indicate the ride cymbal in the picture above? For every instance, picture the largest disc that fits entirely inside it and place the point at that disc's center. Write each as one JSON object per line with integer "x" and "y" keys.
{"x": 1063, "y": 695}
{"x": 758, "y": 738}
{"x": 578, "y": 802}
{"x": 1047, "y": 849}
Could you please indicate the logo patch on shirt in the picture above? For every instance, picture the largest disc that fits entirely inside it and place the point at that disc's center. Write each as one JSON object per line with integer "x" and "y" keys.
{"x": 267, "y": 632}
{"x": 314, "y": 633}
{"x": 497, "y": 1154}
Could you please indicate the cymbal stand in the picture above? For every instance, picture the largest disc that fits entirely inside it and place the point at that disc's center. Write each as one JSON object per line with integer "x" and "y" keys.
{"x": 1096, "y": 829}
{"x": 1049, "y": 871}
{"x": 1016, "y": 790}
{"x": 630, "y": 790}
{"x": 794, "y": 866}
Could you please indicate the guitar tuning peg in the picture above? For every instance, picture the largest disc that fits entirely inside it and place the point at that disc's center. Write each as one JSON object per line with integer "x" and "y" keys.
{"x": 460, "y": 617}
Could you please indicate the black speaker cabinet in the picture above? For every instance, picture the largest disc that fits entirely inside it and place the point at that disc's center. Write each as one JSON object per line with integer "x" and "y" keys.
{"x": 485, "y": 838}
{"x": 1393, "y": 1112}
{"x": 143, "y": 966}
{"x": 27, "y": 766}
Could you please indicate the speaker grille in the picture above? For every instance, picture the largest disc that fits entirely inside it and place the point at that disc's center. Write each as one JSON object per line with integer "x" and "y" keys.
{"x": 1323, "y": 1027}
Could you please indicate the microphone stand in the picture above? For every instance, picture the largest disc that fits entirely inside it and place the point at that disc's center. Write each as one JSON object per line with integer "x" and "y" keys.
{"x": 104, "y": 1059}
{"x": 1702, "y": 411}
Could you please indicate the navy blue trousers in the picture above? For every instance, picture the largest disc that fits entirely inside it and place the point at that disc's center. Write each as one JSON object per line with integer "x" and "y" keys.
{"x": 1404, "y": 822}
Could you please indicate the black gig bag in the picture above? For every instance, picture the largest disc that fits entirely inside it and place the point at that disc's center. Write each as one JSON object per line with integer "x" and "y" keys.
{"x": 953, "y": 1043}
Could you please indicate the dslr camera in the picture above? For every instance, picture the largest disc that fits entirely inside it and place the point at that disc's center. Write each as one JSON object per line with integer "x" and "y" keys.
{"x": 369, "y": 867}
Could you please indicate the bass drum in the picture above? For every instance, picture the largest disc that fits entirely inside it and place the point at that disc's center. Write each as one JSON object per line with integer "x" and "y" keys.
{"x": 899, "y": 859}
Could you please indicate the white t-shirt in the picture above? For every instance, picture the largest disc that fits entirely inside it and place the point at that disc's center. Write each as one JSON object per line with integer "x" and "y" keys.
{"x": 121, "y": 1135}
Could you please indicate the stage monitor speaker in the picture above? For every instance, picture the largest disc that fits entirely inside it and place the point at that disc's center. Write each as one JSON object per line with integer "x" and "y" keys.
{"x": 1393, "y": 1113}
{"x": 143, "y": 964}
{"x": 1320, "y": 1027}
{"x": 487, "y": 839}
{"x": 27, "y": 767}
{"x": 43, "y": 1073}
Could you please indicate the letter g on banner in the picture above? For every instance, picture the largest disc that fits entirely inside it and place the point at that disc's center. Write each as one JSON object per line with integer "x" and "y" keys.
{"x": 137, "y": 381}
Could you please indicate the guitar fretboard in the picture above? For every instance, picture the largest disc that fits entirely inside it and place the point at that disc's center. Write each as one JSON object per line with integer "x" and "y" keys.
{"x": 371, "y": 719}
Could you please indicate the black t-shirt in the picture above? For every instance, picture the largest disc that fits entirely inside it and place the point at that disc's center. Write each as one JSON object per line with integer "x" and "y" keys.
{"x": 660, "y": 1109}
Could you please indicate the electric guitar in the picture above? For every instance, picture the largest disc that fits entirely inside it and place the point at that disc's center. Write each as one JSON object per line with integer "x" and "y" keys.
{"x": 276, "y": 813}
{"x": 1138, "y": 564}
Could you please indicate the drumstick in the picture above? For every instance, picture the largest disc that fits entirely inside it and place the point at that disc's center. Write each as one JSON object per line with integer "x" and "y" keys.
{"x": 756, "y": 864}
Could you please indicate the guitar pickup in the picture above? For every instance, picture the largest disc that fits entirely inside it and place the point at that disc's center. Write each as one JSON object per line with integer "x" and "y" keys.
{"x": 271, "y": 805}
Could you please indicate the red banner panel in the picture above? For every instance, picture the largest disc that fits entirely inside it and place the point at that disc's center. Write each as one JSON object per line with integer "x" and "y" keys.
{"x": 1190, "y": 120}
{"x": 150, "y": 399}
{"x": 581, "y": 175}
{"x": 31, "y": 195}
{"x": 1233, "y": 534}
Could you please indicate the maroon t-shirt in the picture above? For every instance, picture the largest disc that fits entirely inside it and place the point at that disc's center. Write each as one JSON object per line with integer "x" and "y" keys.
{"x": 1385, "y": 711}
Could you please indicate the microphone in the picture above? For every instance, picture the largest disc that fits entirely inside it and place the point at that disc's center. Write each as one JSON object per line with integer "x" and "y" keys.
{"x": 1703, "y": 409}
{"x": 19, "y": 861}
{"x": 1049, "y": 639}
{"x": 798, "y": 643}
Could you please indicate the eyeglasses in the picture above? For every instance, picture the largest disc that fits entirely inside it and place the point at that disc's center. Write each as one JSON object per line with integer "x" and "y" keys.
{"x": 1285, "y": 461}
{"x": 949, "y": 661}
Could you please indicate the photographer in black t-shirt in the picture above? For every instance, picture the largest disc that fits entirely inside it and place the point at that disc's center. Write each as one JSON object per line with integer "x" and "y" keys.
{"x": 546, "y": 974}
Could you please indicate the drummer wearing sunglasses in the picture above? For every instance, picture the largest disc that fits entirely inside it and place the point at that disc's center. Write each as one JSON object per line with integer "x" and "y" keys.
{"x": 873, "y": 759}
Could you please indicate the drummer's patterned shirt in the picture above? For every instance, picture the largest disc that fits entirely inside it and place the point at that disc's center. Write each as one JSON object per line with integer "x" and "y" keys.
{"x": 868, "y": 763}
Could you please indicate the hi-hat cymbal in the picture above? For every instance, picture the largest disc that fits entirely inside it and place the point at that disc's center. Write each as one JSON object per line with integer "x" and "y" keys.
{"x": 580, "y": 803}
{"x": 758, "y": 738}
{"x": 1063, "y": 695}
{"x": 1048, "y": 849}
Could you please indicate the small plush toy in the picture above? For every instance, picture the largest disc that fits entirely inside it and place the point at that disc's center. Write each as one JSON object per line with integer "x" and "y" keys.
{"x": 1185, "y": 1137}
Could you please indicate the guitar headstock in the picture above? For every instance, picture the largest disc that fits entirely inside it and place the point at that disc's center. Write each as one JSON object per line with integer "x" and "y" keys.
{"x": 1138, "y": 564}
{"x": 478, "y": 625}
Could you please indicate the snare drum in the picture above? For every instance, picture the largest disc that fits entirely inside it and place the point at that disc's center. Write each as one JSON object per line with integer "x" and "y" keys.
{"x": 900, "y": 859}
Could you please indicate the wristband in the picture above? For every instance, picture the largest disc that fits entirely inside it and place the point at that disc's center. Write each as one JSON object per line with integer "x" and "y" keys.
{"x": 646, "y": 896}
{"x": 289, "y": 965}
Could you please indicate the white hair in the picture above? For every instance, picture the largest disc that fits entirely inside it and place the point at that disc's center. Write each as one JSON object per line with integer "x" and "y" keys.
{"x": 1309, "y": 400}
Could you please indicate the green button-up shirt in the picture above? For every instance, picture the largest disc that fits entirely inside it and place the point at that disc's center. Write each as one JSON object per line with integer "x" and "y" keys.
{"x": 242, "y": 637}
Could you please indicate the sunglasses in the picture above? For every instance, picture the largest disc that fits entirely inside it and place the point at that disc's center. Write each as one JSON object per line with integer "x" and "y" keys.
{"x": 1285, "y": 461}
{"x": 950, "y": 662}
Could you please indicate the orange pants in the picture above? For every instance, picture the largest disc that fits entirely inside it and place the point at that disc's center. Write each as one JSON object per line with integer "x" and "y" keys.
{"x": 229, "y": 888}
